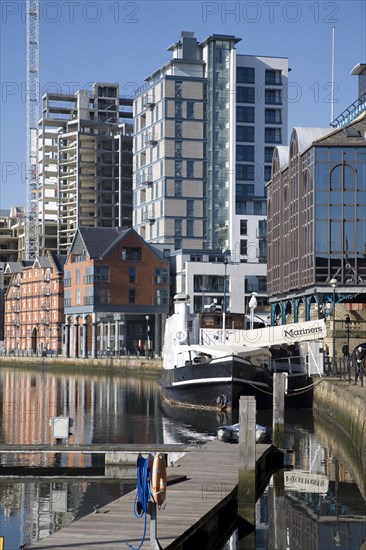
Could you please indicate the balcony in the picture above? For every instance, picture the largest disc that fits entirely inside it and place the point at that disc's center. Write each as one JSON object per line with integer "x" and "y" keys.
{"x": 151, "y": 140}
{"x": 150, "y": 102}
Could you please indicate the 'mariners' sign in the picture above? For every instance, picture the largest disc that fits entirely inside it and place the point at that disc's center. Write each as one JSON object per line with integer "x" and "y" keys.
{"x": 294, "y": 333}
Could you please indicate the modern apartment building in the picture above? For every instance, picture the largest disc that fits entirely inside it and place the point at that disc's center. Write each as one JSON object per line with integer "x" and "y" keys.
{"x": 85, "y": 163}
{"x": 205, "y": 126}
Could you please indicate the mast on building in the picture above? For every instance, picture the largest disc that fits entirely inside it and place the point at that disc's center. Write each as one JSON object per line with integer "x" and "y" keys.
{"x": 32, "y": 95}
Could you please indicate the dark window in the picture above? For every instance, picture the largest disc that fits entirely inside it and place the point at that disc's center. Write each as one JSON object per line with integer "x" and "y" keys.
{"x": 244, "y": 190}
{"x": 243, "y": 227}
{"x": 178, "y": 149}
{"x": 132, "y": 274}
{"x": 178, "y": 129}
{"x": 273, "y": 77}
{"x": 245, "y": 172}
{"x": 190, "y": 109}
{"x": 243, "y": 247}
{"x": 273, "y": 135}
{"x": 190, "y": 168}
{"x": 245, "y": 75}
{"x": 177, "y": 188}
{"x": 245, "y": 153}
{"x": 178, "y": 109}
{"x": 245, "y": 133}
{"x": 245, "y": 94}
{"x": 245, "y": 114}
{"x": 273, "y": 116}
{"x": 268, "y": 154}
{"x": 190, "y": 228}
{"x": 178, "y": 89}
{"x": 267, "y": 173}
{"x": 190, "y": 208}
{"x": 131, "y": 295}
{"x": 273, "y": 97}
{"x": 132, "y": 254}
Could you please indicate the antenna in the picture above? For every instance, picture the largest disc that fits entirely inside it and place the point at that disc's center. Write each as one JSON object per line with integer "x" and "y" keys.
{"x": 332, "y": 83}
{"x": 32, "y": 190}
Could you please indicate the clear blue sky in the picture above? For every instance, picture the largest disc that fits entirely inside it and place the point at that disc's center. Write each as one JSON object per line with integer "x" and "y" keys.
{"x": 84, "y": 41}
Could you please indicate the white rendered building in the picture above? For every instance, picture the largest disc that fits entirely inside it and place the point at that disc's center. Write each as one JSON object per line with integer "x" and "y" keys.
{"x": 205, "y": 126}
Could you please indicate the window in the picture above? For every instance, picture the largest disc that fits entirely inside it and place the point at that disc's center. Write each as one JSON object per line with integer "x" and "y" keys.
{"x": 190, "y": 208}
{"x": 132, "y": 274}
{"x": 245, "y": 114}
{"x": 190, "y": 109}
{"x": 178, "y": 168}
{"x": 178, "y": 89}
{"x": 245, "y": 133}
{"x": 161, "y": 276}
{"x": 273, "y": 116}
{"x": 245, "y": 172}
{"x": 166, "y": 253}
{"x": 133, "y": 254}
{"x": 131, "y": 295}
{"x": 178, "y": 130}
{"x": 267, "y": 173}
{"x": 78, "y": 276}
{"x": 190, "y": 168}
{"x": 178, "y": 109}
{"x": 262, "y": 228}
{"x": 102, "y": 296}
{"x": 245, "y": 153}
{"x": 190, "y": 228}
{"x": 177, "y": 244}
{"x": 273, "y": 77}
{"x": 243, "y": 247}
{"x": 273, "y": 135}
{"x": 101, "y": 274}
{"x": 245, "y": 94}
{"x": 245, "y": 75}
{"x": 273, "y": 97}
{"x": 178, "y": 228}
{"x": 77, "y": 296}
{"x": 243, "y": 227}
{"x": 178, "y": 149}
{"x": 161, "y": 297}
{"x": 268, "y": 154}
{"x": 244, "y": 190}
{"x": 89, "y": 296}
{"x": 177, "y": 188}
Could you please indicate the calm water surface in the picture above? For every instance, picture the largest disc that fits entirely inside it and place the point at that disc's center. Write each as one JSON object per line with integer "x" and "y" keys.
{"x": 323, "y": 505}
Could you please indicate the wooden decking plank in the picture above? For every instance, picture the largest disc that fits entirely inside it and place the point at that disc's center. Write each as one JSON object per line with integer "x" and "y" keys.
{"x": 212, "y": 475}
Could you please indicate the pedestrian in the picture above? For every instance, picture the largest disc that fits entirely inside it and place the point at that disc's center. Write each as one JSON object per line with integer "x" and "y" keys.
{"x": 358, "y": 363}
{"x": 345, "y": 350}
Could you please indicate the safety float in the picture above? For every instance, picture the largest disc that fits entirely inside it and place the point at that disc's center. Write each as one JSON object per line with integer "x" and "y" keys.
{"x": 158, "y": 479}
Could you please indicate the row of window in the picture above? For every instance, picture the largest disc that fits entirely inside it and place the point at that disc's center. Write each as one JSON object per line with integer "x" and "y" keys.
{"x": 246, "y": 134}
{"x": 247, "y": 114}
{"x": 102, "y": 296}
{"x": 246, "y": 75}
{"x": 251, "y": 94}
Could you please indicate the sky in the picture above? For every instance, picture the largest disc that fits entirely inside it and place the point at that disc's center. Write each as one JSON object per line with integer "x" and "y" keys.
{"x": 84, "y": 41}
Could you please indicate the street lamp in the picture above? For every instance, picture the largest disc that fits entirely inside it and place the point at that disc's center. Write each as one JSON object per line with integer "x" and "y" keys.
{"x": 347, "y": 321}
{"x": 333, "y": 284}
{"x": 252, "y": 305}
{"x": 148, "y": 334}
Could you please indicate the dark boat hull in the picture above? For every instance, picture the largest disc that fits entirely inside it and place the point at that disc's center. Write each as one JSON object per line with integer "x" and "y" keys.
{"x": 220, "y": 383}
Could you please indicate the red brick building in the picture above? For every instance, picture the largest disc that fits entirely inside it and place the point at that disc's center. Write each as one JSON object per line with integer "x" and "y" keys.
{"x": 34, "y": 305}
{"x": 116, "y": 293}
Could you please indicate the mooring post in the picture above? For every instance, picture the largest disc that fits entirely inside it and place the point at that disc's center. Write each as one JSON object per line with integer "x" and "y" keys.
{"x": 246, "y": 485}
{"x": 154, "y": 543}
{"x": 278, "y": 423}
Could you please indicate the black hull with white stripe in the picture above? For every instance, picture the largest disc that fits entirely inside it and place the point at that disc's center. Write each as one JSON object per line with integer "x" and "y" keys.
{"x": 220, "y": 383}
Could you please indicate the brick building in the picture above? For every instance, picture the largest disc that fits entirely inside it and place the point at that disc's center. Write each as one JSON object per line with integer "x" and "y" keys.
{"x": 116, "y": 293}
{"x": 34, "y": 304}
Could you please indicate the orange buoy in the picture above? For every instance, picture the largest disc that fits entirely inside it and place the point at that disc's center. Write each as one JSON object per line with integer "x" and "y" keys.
{"x": 158, "y": 479}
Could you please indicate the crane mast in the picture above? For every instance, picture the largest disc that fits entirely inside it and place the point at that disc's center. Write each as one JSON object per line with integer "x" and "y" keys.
{"x": 32, "y": 98}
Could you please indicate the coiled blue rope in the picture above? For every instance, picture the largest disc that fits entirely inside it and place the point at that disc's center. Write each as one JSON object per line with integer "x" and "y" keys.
{"x": 142, "y": 495}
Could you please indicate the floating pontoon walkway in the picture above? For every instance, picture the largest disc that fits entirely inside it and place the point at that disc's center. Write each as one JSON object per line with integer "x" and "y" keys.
{"x": 198, "y": 509}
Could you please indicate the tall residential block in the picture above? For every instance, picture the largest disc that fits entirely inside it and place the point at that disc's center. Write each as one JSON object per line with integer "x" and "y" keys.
{"x": 85, "y": 163}
{"x": 205, "y": 127}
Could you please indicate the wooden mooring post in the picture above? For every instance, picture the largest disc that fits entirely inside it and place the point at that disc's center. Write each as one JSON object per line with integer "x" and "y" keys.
{"x": 247, "y": 473}
{"x": 278, "y": 439}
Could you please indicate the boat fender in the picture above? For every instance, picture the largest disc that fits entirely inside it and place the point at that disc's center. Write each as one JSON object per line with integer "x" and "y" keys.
{"x": 181, "y": 335}
{"x": 222, "y": 401}
{"x": 158, "y": 479}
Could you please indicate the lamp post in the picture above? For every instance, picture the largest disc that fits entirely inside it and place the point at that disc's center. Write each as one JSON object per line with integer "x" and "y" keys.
{"x": 148, "y": 334}
{"x": 252, "y": 305}
{"x": 347, "y": 321}
{"x": 333, "y": 284}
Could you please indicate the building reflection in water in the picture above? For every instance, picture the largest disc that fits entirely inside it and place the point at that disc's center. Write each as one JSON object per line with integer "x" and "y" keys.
{"x": 321, "y": 505}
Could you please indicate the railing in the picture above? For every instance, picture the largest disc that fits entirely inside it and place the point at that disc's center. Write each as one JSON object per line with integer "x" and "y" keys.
{"x": 345, "y": 368}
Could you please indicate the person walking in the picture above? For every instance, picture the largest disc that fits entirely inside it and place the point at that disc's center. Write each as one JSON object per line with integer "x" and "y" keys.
{"x": 358, "y": 363}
